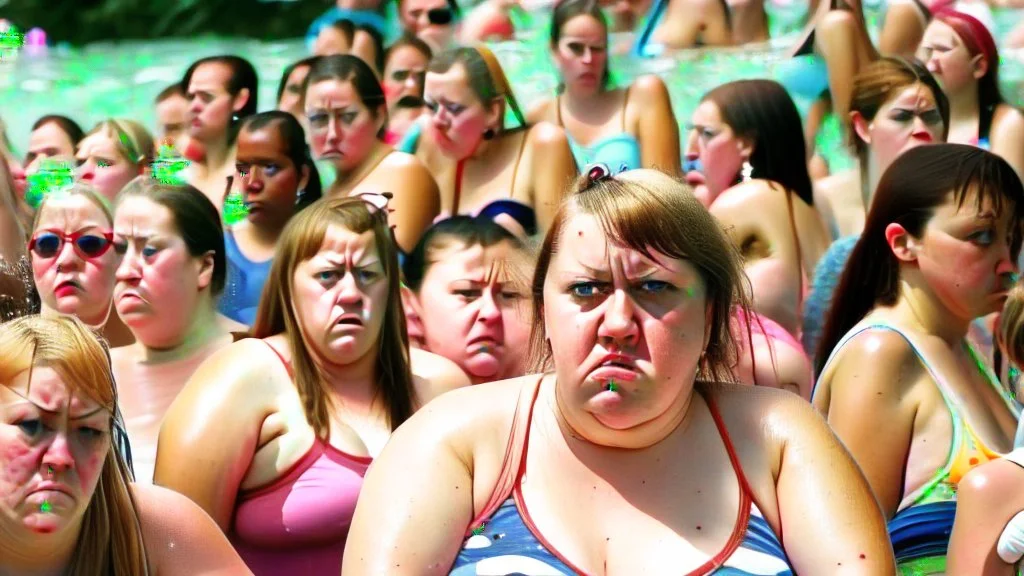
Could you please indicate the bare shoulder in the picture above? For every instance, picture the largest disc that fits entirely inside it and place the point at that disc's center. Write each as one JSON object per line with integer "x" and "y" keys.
{"x": 876, "y": 358}
{"x": 403, "y": 166}
{"x": 541, "y": 111}
{"x": 740, "y": 195}
{"x": 545, "y": 136}
{"x": 759, "y": 409}
{"x": 245, "y": 374}
{"x": 1008, "y": 118}
{"x": 649, "y": 89}
{"x": 434, "y": 375}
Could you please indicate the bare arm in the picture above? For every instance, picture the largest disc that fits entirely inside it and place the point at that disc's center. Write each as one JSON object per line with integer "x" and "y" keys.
{"x": 210, "y": 433}
{"x": 987, "y": 498}
{"x": 180, "y": 538}
{"x": 553, "y": 170}
{"x": 1006, "y": 138}
{"x": 416, "y": 202}
{"x": 657, "y": 129}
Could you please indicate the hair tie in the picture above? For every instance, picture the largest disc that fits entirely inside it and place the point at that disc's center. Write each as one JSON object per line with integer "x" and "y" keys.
{"x": 598, "y": 172}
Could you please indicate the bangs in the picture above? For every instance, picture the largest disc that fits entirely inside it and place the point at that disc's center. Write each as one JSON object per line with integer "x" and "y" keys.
{"x": 309, "y": 227}
{"x": 988, "y": 178}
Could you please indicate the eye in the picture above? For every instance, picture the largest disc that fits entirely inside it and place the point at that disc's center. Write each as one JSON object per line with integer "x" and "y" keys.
{"x": 468, "y": 294}
{"x": 576, "y": 48}
{"x": 931, "y": 117}
{"x": 454, "y": 109}
{"x": 271, "y": 169}
{"x": 242, "y": 169}
{"x": 120, "y": 247}
{"x": 327, "y": 275}
{"x": 982, "y": 237}
{"x": 149, "y": 251}
{"x": 366, "y": 275}
{"x": 348, "y": 117}
{"x": 91, "y": 434}
{"x": 31, "y": 428}
{"x": 902, "y": 115}
{"x": 431, "y": 105}
{"x": 317, "y": 119}
{"x": 101, "y": 163}
{"x": 511, "y": 297}
{"x": 584, "y": 289}
{"x": 654, "y": 286}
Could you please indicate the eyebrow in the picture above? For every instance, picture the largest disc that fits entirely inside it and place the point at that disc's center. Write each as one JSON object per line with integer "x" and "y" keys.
{"x": 48, "y": 412}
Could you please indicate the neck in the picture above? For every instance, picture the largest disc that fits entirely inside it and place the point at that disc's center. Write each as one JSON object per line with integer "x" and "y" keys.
{"x": 964, "y": 107}
{"x": 218, "y": 153}
{"x": 37, "y": 555}
{"x": 203, "y": 330}
{"x": 869, "y": 181}
{"x": 348, "y": 180}
{"x": 354, "y": 386}
{"x": 264, "y": 235}
{"x": 919, "y": 307}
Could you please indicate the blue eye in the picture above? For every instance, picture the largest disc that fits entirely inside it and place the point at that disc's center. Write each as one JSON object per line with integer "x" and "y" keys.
{"x": 583, "y": 289}
{"x": 983, "y": 237}
{"x": 654, "y": 286}
{"x": 149, "y": 251}
{"x": 326, "y": 275}
{"x": 366, "y": 275}
{"x": 271, "y": 169}
{"x": 31, "y": 428}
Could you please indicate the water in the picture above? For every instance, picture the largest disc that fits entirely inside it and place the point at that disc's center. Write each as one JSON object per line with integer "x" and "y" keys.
{"x": 112, "y": 79}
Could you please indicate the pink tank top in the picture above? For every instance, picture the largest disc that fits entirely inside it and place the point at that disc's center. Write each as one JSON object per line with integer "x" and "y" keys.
{"x": 298, "y": 524}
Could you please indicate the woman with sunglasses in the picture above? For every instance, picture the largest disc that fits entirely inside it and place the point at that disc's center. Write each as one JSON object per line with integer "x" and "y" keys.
{"x": 273, "y": 434}
{"x": 73, "y": 262}
{"x": 624, "y": 129}
{"x": 432, "y": 21}
{"x": 482, "y": 167}
{"x": 172, "y": 270}
{"x": 347, "y": 115}
{"x": 112, "y": 154}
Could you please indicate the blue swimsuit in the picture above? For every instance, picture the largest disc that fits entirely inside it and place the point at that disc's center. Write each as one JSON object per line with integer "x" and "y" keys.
{"x": 619, "y": 152}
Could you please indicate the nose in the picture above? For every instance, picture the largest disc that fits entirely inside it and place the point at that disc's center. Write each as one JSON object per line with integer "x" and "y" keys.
{"x": 489, "y": 310}
{"x": 251, "y": 182}
{"x": 588, "y": 55}
{"x": 619, "y": 326}
{"x": 440, "y": 118}
{"x": 333, "y": 131}
{"x": 411, "y": 83}
{"x": 692, "y": 152}
{"x": 67, "y": 258}
{"x": 1006, "y": 264}
{"x": 58, "y": 455}
{"x": 349, "y": 292}
{"x": 195, "y": 107}
{"x": 86, "y": 172}
{"x": 932, "y": 64}
{"x": 129, "y": 270}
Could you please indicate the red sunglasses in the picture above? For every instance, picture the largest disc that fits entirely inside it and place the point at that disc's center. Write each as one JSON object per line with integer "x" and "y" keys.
{"x": 88, "y": 245}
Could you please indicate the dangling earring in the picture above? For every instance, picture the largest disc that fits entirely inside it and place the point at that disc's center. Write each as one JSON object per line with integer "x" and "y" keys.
{"x": 488, "y": 134}
{"x": 234, "y": 117}
{"x": 746, "y": 171}
{"x": 299, "y": 196}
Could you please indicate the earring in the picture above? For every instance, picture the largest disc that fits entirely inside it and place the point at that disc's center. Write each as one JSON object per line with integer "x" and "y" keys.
{"x": 488, "y": 134}
{"x": 747, "y": 171}
{"x": 299, "y": 196}
{"x": 234, "y": 117}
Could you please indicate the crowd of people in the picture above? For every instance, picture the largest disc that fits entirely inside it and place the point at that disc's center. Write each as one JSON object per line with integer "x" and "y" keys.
{"x": 449, "y": 335}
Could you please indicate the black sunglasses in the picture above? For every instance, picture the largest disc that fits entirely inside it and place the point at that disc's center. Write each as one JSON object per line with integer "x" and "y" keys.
{"x": 440, "y": 16}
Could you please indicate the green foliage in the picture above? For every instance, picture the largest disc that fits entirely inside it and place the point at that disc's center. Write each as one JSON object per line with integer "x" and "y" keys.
{"x": 80, "y": 22}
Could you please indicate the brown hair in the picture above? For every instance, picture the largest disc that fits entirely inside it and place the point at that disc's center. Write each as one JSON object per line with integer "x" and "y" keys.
{"x": 132, "y": 141}
{"x": 110, "y": 541}
{"x": 485, "y": 76}
{"x": 916, "y": 183}
{"x": 649, "y": 211}
{"x": 300, "y": 241}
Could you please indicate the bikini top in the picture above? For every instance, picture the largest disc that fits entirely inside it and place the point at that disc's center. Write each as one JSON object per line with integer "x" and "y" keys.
{"x": 620, "y": 152}
{"x": 298, "y": 524}
{"x": 503, "y": 539}
{"x": 244, "y": 286}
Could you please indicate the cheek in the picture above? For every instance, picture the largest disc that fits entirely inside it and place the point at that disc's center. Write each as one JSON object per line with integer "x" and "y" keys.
{"x": 170, "y": 276}
{"x": 19, "y": 463}
{"x": 392, "y": 89}
{"x": 90, "y": 465}
{"x": 98, "y": 276}
{"x": 44, "y": 272}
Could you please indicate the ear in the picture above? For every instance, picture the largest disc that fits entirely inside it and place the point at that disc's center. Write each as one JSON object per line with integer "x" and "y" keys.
{"x": 494, "y": 117}
{"x": 303, "y": 178}
{"x": 746, "y": 147}
{"x": 708, "y": 317}
{"x": 381, "y": 117}
{"x": 902, "y": 244}
{"x": 980, "y": 64}
{"x": 205, "y": 271}
{"x": 861, "y": 126}
{"x": 241, "y": 99}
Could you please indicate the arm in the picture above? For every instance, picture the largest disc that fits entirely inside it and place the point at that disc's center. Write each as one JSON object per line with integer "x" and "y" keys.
{"x": 869, "y": 409}
{"x": 1005, "y": 137}
{"x": 987, "y": 498}
{"x": 180, "y": 538}
{"x": 416, "y": 202}
{"x": 553, "y": 170}
{"x": 657, "y": 129}
{"x": 825, "y": 533}
{"x": 211, "y": 431}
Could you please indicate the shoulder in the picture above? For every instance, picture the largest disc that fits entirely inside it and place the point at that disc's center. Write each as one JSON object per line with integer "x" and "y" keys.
{"x": 763, "y": 416}
{"x": 434, "y": 375}
{"x": 160, "y": 508}
{"x": 875, "y": 361}
{"x": 1008, "y": 117}
{"x": 405, "y": 166}
{"x": 247, "y": 369}
{"x": 540, "y": 111}
{"x": 648, "y": 89}
{"x": 547, "y": 136}
{"x": 740, "y": 195}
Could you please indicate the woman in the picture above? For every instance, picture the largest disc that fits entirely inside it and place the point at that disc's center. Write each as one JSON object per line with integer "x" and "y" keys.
{"x": 112, "y": 154}
{"x": 18, "y": 296}
{"x": 289, "y": 90}
{"x": 273, "y": 434}
{"x": 474, "y": 158}
{"x": 897, "y": 105}
{"x": 67, "y": 504}
{"x": 405, "y": 67}
{"x": 277, "y": 179}
{"x": 73, "y": 263}
{"x": 467, "y": 277}
{"x": 347, "y": 116}
{"x": 622, "y": 128}
{"x": 746, "y": 136}
{"x": 171, "y": 272}
{"x": 52, "y": 136}
{"x": 221, "y": 90}
{"x": 635, "y": 313}
{"x": 898, "y": 381}
{"x": 962, "y": 55}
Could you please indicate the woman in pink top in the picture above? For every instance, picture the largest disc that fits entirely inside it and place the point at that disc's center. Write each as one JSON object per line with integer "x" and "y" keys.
{"x": 273, "y": 434}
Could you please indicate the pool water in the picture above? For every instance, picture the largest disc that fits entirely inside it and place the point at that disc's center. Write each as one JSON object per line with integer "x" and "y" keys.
{"x": 122, "y": 80}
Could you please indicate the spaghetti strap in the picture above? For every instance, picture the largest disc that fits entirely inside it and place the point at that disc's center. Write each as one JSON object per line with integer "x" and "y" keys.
{"x": 460, "y": 167}
{"x": 729, "y": 447}
{"x": 625, "y": 103}
{"x": 287, "y": 365}
{"x": 512, "y": 461}
{"x": 515, "y": 169}
{"x": 558, "y": 110}
{"x": 799, "y": 254}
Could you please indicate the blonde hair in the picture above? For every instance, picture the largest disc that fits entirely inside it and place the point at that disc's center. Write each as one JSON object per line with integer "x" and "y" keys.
{"x": 132, "y": 140}
{"x": 110, "y": 541}
{"x": 1010, "y": 335}
{"x": 76, "y": 189}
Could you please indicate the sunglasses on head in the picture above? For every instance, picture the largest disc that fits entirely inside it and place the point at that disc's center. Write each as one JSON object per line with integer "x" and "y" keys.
{"x": 88, "y": 245}
{"x": 440, "y": 16}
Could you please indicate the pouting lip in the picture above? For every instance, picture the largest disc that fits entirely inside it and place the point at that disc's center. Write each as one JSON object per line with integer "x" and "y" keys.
{"x": 485, "y": 339}
{"x": 617, "y": 360}
{"x": 53, "y": 487}
{"x": 68, "y": 282}
{"x": 349, "y": 319}
{"x": 130, "y": 294}
{"x": 694, "y": 177}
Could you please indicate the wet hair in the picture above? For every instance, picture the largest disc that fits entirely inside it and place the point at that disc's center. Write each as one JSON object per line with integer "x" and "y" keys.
{"x": 566, "y": 10}
{"x": 76, "y": 189}
{"x": 978, "y": 40}
{"x": 305, "y": 62}
{"x": 465, "y": 231}
{"x": 762, "y": 111}
{"x": 301, "y": 240}
{"x": 880, "y": 82}
{"x": 351, "y": 69}
{"x": 486, "y": 78}
{"x": 170, "y": 92}
{"x": 1010, "y": 334}
{"x": 651, "y": 212}
{"x": 69, "y": 127}
{"x": 378, "y": 46}
{"x": 131, "y": 139}
{"x": 411, "y": 41}
{"x": 195, "y": 218}
{"x": 295, "y": 148}
{"x": 110, "y": 541}
{"x": 243, "y": 75}
{"x": 918, "y": 182}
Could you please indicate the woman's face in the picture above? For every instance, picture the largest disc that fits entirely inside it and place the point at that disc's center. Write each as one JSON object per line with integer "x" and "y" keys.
{"x": 341, "y": 294}
{"x": 459, "y": 119}
{"x": 581, "y": 54}
{"x": 439, "y": 31}
{"x": 341, "y": 128}
{"x": 17, "y": 173}
{"x": 266, "y": 176}
{"x": 473, "y": 313}
{"x": 76, "y": 279}
{"x": 626, "y": 332}
{"x": 965, "y": 257}
{"x": 210, "y": 104}
{"x": 52, "y": 448}
{"x": 47, "y": 141}
{"x": 102, "y": 165}
{"x": 947, "y": 58}
{"x": 908, "y": 120}
{"x": 159, "y": 283}
{"x": 720, "y": 151}
{"x": 403, "y": 75}
{"x": 291, "y": 98}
